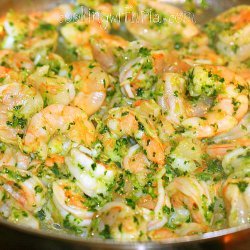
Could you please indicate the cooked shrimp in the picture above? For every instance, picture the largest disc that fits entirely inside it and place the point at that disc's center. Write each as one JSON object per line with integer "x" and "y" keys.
{"x": 195, "y": 195}
{"x": 135, "y": 161}
{"x": 236, "y": 160}
{"x": 151, "y": 110}
{"x": 23, "y": 218}
{"x": 58, "y": 146}
{"x": 54, "y": 160}
{"x": 108, "y": 9}
{"x": 69, "y": 121}
{"x": 69, "y": 201}
{"x": 93, "y": 178}
{"x": 206, "y": 57}
{"x": 236, "y": 189}
{"x": 11, "y": 156}
{"x": 9, "y": 76}
{"x": 171, "y": 101}
{"x": 169, "y": 62}
{"x": 125, "y": 121}
{"x": 230, "y": 33}
{"x": 220, "y": 150}
{"x": 17, "y": 61}
{"x": 159, "y": 219}
{"x": 187, "y": 156}
{"x": 28, "y": 33}
{"x": 91, "y": 83}
{"x": 13, "y": 212}
{"x": 162, "y": 234}
{"x": 242, "y": 70}
{"x": 51, "y": 170}
{"x": 77, "y": 36}
{"x": 241, "y": 131}
{"x": 137, "y": 74}
{"x": 159, "y": 25}
{"x": 24, "y": 187}
{"x": 231, "y": 104}
{"x": 140, "y": 75}
{"x": 197, "y": 52}
{"x": 54, "y": 89}
{"x": 56, "y": 63}
{"x": 123, "y": 222}
{"x": 140, "y": 72}
{"x": 18, "y": 103}
{"x": 236, "y": 194}
{"x": 16, "y": 28}
{"x": 104, "y": 50}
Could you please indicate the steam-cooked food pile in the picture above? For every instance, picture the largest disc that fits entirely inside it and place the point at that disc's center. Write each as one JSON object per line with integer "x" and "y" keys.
{"x": 125, "y": 121}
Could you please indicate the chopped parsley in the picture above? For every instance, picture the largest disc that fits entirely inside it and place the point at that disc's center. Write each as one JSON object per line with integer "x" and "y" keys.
{"x": 242, "y": 185}
{"x": 105, "y": 233}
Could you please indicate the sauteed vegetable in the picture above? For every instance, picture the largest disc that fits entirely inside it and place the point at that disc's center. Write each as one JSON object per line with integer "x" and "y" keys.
{"x": 125, "y": 120}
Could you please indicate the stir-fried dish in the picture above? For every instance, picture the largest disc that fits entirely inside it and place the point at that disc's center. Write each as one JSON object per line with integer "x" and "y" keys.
{"x": 125, "y": 120}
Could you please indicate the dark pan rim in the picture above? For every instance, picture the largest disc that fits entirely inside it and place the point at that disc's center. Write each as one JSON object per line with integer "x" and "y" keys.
{"x": 83, "y": 241}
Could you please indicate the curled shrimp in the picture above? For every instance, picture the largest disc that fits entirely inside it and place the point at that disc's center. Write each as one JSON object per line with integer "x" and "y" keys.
{"x": 104, "y": 50}
{"x": 54, "y": 89}
{"x": 151, "y": 110}
{"x": 140, "y": 75}
{"x": 143, "y": 73}
{"x": 231, "y": 104}
{"x": 124, "y": 223}
{"x": 230, "y": 33}
{"x": 69, "y": 201}
{"x": 24, "y": 187}
{"x": 159, "y": 22}
{"x": 125, "y": 121}
{"x": 91, "y": 83}
{"x": 18, "y": 103}
{"x": 69, "y": 121}
{"x": 195, "y": 195}
{"x": 93, "y": 178}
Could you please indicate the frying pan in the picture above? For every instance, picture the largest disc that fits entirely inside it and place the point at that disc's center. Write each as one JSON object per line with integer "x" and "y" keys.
{"x": 21, "y": 238}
